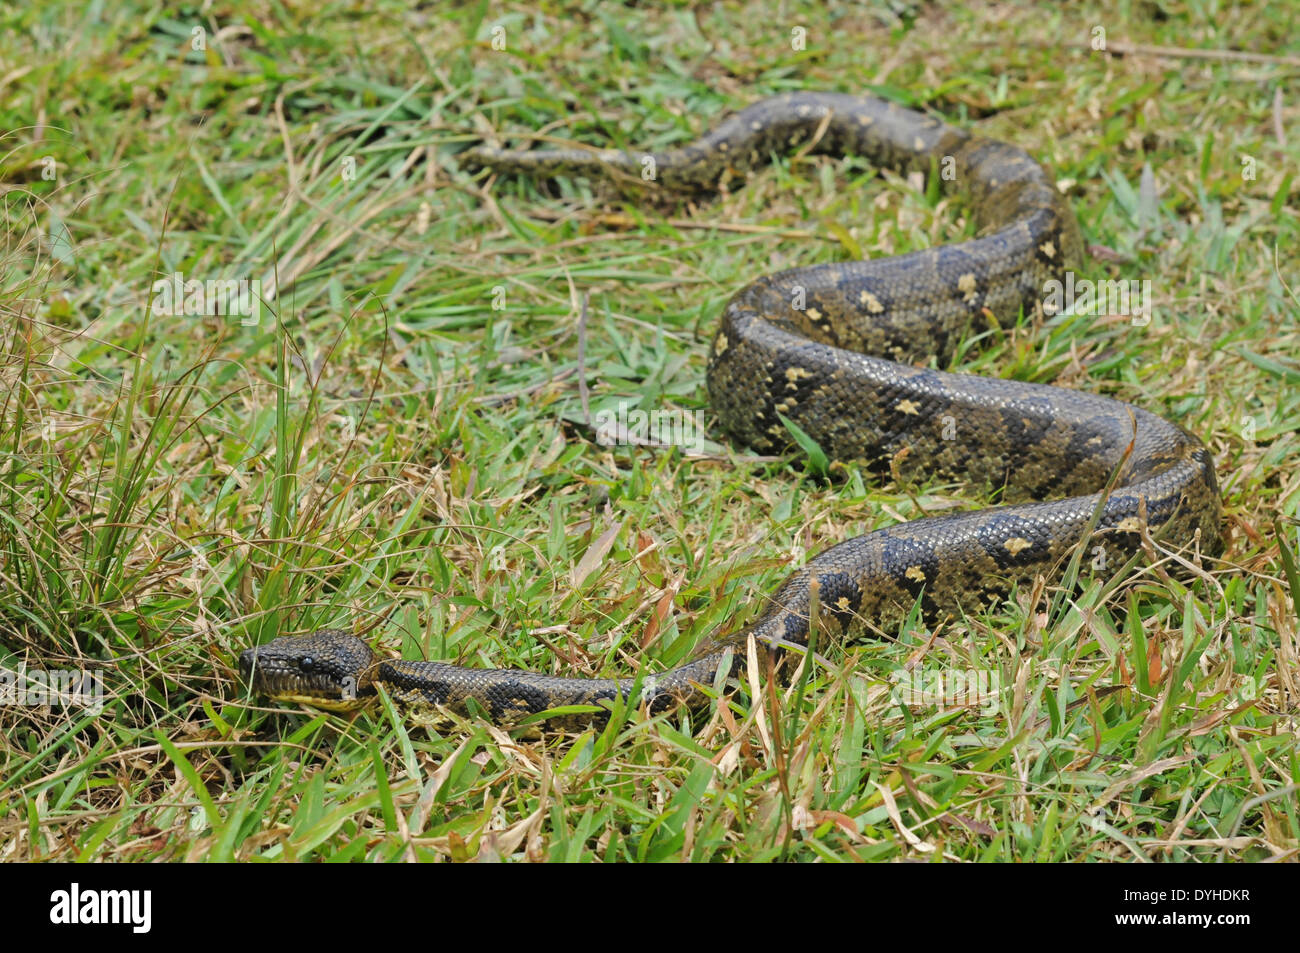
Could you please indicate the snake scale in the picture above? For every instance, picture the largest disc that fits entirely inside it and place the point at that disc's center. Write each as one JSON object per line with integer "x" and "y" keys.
{"x": 846, "y": 351}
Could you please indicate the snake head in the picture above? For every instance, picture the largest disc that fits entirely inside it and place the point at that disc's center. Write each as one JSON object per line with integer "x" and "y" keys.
{"x": 329, "y": 669}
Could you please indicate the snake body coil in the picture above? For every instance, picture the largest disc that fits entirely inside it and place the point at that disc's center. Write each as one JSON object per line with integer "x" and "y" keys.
{"x": 831, "y": 348}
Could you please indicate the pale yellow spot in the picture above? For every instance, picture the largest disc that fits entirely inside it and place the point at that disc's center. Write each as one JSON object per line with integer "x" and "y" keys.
{"x": 1048, "y": 249}
{"x": 966, "y": 285}
{"x": 871, "y": 302}
{"x": 1129, "y": 524}
{"x": 907, "y": 407}
{"x": 720, "y": 344}
{"x": 756, "y": 125}
{"x": 1016, "y": 545}
{"x": 865, "y": 120}
{"x": 918, "y": 144}
{"x": 915, "y": 573}
{"x": 723, "y": 147}
{"x": 843, "y": 603}
{"x": 793, "y": 374}
{"x": 814, "y": 314}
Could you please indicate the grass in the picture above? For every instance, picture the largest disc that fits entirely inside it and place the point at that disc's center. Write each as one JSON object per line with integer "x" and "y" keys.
{"x": 397, "y": 444}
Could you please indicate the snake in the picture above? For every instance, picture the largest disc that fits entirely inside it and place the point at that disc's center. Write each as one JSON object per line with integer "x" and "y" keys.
{"x": 850, "y": 353}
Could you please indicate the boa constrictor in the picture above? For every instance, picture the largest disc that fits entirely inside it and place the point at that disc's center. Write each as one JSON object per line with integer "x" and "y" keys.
{"x": 844, "y": 351}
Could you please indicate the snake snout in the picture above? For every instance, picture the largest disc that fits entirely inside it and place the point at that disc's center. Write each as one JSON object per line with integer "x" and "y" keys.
{"x": 246, "y": 660}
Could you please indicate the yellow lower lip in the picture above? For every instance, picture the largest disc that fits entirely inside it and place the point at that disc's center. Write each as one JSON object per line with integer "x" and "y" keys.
{"x": 328, "y": 704}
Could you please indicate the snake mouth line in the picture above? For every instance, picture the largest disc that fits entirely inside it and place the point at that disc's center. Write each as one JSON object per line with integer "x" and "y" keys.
{"x": 315, "y": 700}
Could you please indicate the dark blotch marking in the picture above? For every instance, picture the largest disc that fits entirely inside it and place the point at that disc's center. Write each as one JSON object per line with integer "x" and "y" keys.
{"x": 509, "y": 696}
{"x": 432, "y": 689}
{"x": 1027, "y": 423}
{"x": 998, "y": 528}
{"x": 901, "y": 553}
{"x": 834, "y": 587}
{"x": 796, "y": 629}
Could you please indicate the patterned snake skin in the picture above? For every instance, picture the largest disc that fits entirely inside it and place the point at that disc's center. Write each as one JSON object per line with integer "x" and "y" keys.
{"x": 835, "y": 348}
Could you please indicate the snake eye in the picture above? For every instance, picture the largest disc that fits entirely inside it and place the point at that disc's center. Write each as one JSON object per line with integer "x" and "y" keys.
{"x": 306, "y": 663}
